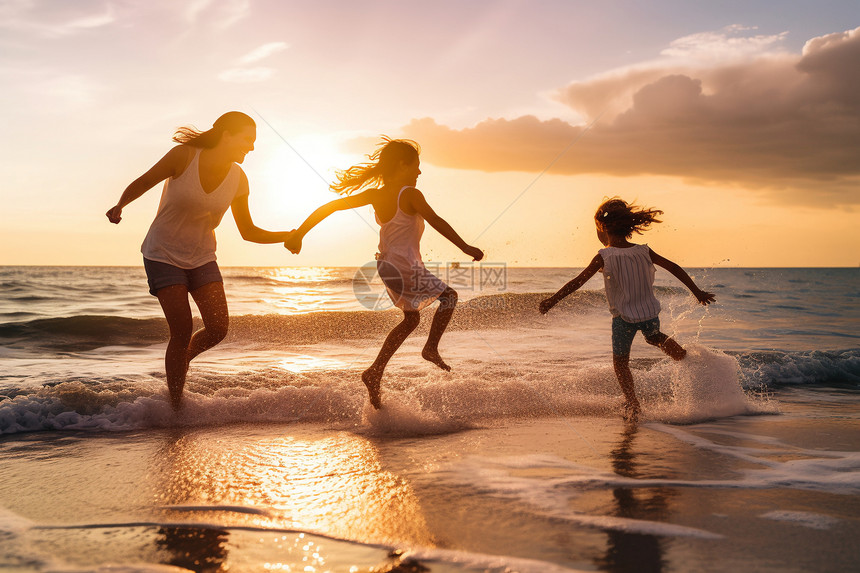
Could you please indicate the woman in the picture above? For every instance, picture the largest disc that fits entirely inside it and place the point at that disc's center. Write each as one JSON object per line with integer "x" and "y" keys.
{"x": 203, "y": 180}
{"x": 401, "y": 210}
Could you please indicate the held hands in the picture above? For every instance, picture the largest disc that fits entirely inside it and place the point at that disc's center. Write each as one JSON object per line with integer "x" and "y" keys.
{"x": 114, "y": 214}
{"x": 704, "y": 297}
{"x": 294, "y": 242}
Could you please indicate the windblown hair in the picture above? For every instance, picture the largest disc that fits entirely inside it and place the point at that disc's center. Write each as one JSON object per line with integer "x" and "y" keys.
{"x": 232, "y": 122}
{"x": 617, "y": 217}
{"x": 389, "y": 154}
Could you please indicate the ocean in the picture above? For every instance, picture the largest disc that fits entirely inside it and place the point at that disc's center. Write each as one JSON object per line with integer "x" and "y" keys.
{"x": 747, "y": 457}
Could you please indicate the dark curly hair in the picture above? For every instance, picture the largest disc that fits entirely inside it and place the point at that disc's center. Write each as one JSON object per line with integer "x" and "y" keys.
{"x": 617, "y": 217}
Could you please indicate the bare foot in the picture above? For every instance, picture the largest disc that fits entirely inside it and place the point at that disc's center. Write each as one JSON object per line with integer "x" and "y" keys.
{"x": 176, "y": 401}
{"x": 631, "y": 412}
{"x": 433, "y": 356}
{"x": 371, "y": 379}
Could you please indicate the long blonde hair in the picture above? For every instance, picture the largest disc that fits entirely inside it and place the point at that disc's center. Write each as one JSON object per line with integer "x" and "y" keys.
{"x": 389, "y": 154}
{"x": 232, "y": 121}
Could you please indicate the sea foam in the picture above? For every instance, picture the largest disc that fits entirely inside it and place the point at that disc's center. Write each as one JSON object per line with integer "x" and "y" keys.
{"x": 417, "y": 398}
{"x": 407, "y": 419}
{"x": 803, "y": 518}
{"x": 705, "y": 385}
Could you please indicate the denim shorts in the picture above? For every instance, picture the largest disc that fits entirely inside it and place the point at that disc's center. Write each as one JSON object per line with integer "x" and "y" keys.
{"x": 623, "y": 333}
{"x": 160, "y": 275}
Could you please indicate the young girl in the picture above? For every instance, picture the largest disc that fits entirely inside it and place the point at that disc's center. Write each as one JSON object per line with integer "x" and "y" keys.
{"x": 400, "y": 211}
{"x": 628, "y": 276}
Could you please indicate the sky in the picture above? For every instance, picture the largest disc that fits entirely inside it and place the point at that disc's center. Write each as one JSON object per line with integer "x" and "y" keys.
{"x": 740, "y": 120}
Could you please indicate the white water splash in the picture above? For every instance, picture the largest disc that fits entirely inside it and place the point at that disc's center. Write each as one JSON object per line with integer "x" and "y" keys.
{"x": 705, "y": 385}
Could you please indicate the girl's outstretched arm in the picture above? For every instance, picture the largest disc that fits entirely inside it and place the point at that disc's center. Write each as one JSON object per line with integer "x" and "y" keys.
{"x": 595, "y": 265}
{"x": 680, "y": 274}
{"x": 294, "y": 242}
{"x": 419, "y": 205}
{"x": 244, "y": 222}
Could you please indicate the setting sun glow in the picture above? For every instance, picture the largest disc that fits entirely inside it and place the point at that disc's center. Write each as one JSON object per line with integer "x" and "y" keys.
{"x": 739, "y": 126}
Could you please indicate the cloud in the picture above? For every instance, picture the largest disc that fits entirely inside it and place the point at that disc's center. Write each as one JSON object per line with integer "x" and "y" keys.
{"x": 722, "y": 46}
{"x": 246, "y": 75}
{"x": 49, "y": 91}
{"x": 263, "y": 52}
{"x": 89, "y": 22}
{"x": 787, "y": 125}
{"x": 613, "y": 91}
{"x": 25, "y": 17}
{"x": 220, "y": 14}
{"x": 195, "y": 8}
{"x": 243, "y": 74}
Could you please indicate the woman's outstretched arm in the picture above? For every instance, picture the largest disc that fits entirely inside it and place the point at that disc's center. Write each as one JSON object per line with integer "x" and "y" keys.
{"x": 294, "y": 241}
{"x": 419, "y": 205}
{"x": 244, "y": 222}
{"x": 171, "y": 165}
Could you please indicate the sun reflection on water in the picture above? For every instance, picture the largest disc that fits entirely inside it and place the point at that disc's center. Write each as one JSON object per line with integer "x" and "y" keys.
{"x": 302, "y": 289}
{"x": 335, "y": 485}
{"x": 297, "y": 274}
{"x": 306, "y": 363}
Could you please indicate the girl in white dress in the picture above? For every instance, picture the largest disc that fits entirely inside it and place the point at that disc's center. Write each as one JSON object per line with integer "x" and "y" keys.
{"x": 628, "y": 276}
{"x": 401, "y": 210}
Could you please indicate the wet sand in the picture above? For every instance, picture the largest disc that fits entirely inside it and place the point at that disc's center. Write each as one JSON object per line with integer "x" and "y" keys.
{"x": 764, "y": 493}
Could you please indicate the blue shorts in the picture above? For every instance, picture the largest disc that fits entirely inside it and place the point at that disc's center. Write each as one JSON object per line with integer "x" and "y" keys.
{"x": 160, "y": 275}
{"x": 623, "y": 333}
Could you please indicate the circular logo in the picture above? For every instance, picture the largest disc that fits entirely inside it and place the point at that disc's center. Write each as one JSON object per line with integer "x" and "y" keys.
{"x": 369, "y": 289}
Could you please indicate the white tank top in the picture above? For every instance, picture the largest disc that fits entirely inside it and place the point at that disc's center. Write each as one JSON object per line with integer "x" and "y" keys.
{"x": 400, "y": 237}
{"x": 628, "y": 276}
{"x": 183, "y": 232}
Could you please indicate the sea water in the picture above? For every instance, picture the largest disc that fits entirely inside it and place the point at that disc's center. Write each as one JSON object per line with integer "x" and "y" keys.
{"x": 81, "y": 367}
{"x": 83, "y": 347}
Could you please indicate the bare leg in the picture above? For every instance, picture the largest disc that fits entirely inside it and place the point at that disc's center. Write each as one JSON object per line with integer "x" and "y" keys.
{"x": 625, "y": 380}
{"x": 668, "y": 345}
{"x": 447, "y": 302}
{"x": 212, "y": 303}
{"x": 177, "y": 311}
{"x": 373, "y": 375}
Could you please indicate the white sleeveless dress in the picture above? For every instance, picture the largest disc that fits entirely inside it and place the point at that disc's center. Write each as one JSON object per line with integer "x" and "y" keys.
{"x": 183, "y": 232}
{"x": 410, "y": 285}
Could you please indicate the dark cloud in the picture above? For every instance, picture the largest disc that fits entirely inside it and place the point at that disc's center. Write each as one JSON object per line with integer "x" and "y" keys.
{"x": 787, "y": 125}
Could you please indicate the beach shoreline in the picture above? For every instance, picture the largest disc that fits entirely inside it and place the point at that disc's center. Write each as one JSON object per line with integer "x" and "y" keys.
{"x": 747, "y": 456}
{"x": 581, "y": 493}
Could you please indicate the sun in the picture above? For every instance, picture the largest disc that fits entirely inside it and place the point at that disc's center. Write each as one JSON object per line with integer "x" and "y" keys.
{"x": 289, "y": 179}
